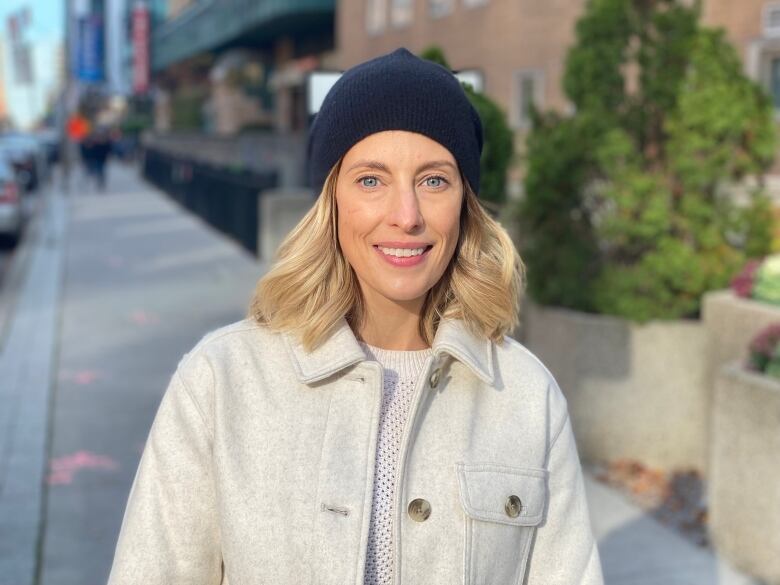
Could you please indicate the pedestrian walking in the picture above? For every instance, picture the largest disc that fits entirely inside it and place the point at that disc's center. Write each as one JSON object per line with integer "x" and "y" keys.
{"x": 102, "y": 147}
{"x": 370, "y": 422}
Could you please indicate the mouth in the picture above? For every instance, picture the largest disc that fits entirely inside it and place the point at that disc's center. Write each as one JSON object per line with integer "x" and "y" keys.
{"x": 403, "y": 256}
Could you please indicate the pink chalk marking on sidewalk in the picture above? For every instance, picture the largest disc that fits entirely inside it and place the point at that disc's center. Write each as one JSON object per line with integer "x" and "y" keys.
{"x": 80, "y": 377}
{"x": 142, "y": 317}
{"x": 63, "y": 469}
{"x": 115, "y": 261}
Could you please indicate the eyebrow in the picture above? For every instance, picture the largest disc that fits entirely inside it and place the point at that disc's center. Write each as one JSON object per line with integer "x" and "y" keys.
{"x": 380, "y": 166}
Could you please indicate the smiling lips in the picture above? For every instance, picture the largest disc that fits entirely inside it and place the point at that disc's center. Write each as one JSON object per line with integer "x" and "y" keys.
{"x": 403, "y": 254}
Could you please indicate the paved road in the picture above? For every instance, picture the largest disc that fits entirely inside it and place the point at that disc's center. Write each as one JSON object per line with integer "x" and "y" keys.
{"x": 13, "y": 258}
{"x": 5, "y": 256}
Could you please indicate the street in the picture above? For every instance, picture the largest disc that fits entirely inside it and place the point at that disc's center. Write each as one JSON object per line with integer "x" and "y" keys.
{"x": 5, "y": 257}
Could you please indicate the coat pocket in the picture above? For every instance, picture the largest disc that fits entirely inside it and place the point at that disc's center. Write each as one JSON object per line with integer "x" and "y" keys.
{"x": 502, "y": 505}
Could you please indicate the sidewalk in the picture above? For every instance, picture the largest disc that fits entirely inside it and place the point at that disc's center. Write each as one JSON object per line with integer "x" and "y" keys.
{"x": 143, "y": 281}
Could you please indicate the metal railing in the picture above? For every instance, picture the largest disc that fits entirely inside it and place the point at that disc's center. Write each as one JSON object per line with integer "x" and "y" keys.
{"x": 226, "y": 199}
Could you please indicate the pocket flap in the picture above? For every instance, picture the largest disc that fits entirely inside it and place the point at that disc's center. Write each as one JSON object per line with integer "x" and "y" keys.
{"x": 486, "y": 489}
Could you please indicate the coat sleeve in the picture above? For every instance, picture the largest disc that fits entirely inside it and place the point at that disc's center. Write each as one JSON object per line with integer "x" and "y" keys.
{"x": 170, "y": 532}
{"x": 564, "y": 551}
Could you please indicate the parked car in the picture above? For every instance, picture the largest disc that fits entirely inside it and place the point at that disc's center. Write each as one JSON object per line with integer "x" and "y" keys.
{"x": 28, "y": 157}
{"x": 11, "y": 210}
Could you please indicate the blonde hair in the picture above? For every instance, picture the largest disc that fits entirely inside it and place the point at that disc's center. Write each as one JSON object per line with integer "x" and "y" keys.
{"x": 311, "y": 286}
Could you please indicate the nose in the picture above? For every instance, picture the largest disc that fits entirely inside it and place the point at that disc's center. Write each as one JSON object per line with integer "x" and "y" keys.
{"x": 405, "y": 209}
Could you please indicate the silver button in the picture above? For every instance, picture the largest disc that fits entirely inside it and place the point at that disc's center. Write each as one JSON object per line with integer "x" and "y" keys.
{"x": 434, "y": 380}
{"x": 419, "y": 510}
{"x": 513, "y": 506}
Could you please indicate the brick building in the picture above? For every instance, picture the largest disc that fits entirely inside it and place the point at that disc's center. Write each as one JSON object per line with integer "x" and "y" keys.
{"x": 753, "y": 26}
{"x": 520, "y": 46}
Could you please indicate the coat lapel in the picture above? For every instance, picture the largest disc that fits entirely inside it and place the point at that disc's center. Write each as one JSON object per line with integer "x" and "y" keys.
{"x": 452, "y": 337}
{"x": 337, "y": 352}
{"x": 341, "y": 350}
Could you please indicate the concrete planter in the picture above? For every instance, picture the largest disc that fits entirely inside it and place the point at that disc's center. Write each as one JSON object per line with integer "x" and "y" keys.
{"x": 731, "y": 323}
{"x": 280, "y": 211}
{"x": 634, "y": 391}
{"x": 744, "y": 475}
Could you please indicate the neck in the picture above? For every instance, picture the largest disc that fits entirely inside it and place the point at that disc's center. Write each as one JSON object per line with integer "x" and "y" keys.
{"x": 392, "y": 325}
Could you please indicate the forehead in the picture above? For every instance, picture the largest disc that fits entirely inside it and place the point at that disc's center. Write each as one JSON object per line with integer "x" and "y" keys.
{"x": 397, "y": 147}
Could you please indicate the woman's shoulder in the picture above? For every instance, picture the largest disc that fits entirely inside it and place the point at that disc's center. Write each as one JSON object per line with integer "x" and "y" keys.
{"x": 519, "y": 365}
{"x": 516, "y": 357}
{"x": 233, "y": 342}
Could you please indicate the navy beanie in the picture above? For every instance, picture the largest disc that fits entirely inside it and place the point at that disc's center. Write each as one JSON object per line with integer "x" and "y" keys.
{"x": 397, "y": 91}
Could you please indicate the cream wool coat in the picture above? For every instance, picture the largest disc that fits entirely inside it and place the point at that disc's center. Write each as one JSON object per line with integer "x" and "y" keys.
{"x": 258, "y": 469}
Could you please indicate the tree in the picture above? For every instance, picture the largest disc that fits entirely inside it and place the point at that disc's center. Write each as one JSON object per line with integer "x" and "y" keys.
{"x": 498, "y": 146}
{"x": 630, "y": 207}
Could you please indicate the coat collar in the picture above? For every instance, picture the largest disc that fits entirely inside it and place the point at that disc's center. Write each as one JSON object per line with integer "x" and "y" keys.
{"x": 341, "y": 350}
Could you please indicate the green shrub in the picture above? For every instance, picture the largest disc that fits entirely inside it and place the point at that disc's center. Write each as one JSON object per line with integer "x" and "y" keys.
{"x": 498, "y": 145}
{"x": 629, "y": 207}
{"x": 766, "y": 286}
{"x": 764, "y": 351}
{"x": 187, "y": 109}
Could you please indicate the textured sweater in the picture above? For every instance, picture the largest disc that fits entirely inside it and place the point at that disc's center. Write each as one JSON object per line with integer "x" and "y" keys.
{"x": 401, "y": 371}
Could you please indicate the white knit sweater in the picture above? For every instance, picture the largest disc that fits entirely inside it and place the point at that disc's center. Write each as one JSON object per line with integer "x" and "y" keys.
{"x": 401, "y": 371}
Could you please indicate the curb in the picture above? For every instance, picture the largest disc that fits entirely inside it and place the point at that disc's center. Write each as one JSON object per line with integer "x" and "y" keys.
{"x": 18, "y": 265}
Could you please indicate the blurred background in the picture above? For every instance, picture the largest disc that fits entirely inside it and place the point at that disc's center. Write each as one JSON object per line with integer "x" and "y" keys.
{"x": 152, "y": 159}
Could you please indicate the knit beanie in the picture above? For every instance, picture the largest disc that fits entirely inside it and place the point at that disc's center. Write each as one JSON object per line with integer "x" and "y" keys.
{"x": 397, "y": 91}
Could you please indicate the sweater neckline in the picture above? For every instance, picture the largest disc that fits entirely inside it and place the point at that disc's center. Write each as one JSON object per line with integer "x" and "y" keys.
{"x": 406, "y": 363}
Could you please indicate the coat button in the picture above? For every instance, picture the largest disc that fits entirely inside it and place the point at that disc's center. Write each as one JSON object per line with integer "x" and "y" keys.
{"x": 434, "y": 380}
{"x": 419, "y": 510}
{"x": 513, "y": 506}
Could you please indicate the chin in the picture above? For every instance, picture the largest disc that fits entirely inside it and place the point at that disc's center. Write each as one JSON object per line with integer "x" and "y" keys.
{"x": 406, "y": 295}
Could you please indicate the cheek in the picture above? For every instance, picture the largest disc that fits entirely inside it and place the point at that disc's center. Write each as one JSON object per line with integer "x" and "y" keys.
{"x": 447, "y": 224}
{"x": 353, "y": 225}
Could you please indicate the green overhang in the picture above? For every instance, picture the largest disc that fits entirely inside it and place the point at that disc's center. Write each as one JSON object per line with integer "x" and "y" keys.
{"x": 211, "y": 25}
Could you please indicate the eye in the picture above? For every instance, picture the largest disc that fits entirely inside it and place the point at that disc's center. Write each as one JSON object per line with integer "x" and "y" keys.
{"x": 439, "y": 181}
{"x": 368, "y": 181}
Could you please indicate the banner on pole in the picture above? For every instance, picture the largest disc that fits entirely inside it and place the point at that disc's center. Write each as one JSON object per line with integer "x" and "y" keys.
{"x": 90, "y": 51}
{"x": 140, "y": 35}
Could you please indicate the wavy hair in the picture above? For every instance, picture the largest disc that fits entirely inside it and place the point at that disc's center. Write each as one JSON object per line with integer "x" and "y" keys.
{"x": 311, "y": 286}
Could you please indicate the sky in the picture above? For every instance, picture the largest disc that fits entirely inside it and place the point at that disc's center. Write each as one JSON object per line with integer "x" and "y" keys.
{"x": 45, "y": 34}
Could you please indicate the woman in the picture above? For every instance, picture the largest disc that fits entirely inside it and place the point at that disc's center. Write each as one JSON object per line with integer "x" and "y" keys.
{"x": 370, "y": 422}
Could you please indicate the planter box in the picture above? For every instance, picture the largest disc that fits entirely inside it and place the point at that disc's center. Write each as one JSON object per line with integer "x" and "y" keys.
{"x": 634, "y": 391}
{"x": 280, "y": 211}
{"x": 744, "y": 473}
{"x": 731, "y": 322}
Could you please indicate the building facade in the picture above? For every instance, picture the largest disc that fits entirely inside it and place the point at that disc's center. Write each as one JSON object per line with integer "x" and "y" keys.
{"x": 3, "y": 101}
{"x": 232, "y": 65}
{"x": 520, "y": 45}
{"x": 753, "y": 27}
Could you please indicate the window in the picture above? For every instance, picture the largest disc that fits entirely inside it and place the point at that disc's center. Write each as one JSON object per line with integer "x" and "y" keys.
{"x": 375, "y": 16}
{"x": 527, "y": 91}
{"x": 774, "y": 82}
{"x": 401, "y": 12}
{"x": 772, "y": 20}
{"x": 439, "y": 8}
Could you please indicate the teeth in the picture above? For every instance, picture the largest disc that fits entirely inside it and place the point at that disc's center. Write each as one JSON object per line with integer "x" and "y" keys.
{"x": 402, "y": 252}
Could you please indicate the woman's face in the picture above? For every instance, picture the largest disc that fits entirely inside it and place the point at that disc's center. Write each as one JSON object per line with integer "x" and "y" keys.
{"x": 399, "y": 196}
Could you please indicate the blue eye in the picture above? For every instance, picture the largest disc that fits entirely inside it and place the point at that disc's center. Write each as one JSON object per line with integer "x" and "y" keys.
{"x": 369, "y": 178}
{"x": 436, "y": 178}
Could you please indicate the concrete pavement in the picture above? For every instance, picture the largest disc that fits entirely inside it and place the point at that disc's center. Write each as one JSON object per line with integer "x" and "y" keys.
{"x": 89, "y": 356}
